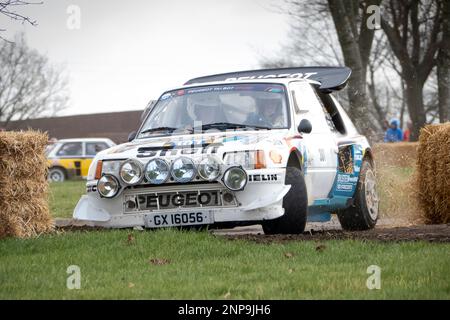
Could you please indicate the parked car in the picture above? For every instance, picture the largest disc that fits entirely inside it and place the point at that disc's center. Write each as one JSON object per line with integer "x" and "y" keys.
{"x": 69, "y": 158}
{"x": 265, "y": 146}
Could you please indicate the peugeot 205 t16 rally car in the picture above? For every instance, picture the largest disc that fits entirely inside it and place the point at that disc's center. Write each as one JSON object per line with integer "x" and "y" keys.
{"x": 266, "y": 146}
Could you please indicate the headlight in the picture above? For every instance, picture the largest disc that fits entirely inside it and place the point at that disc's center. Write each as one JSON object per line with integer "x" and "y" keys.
{"x": 111, "y": 167}
{"x": 235, "y": 178}
{"x": 183, "y": 169}
{"x": 247, "y": 159}
{"x": 108, "y": 186}
{"x": 131, "y": 172}
{"x": 209, "y": 169}
{"x": 157, "y": 171}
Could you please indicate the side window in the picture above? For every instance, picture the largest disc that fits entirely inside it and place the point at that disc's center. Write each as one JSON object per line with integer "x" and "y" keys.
{"x": 332, "y": 115}
{"x": 70, "y": 149}
{"x": 92, "y": 148}
{"x": 307, "y": 106}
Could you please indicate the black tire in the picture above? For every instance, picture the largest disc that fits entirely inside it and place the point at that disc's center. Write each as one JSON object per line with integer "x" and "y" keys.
{"x": 295, "y": 204}
{"x": 363, "y": 214}
{"x": 56, "y": 175}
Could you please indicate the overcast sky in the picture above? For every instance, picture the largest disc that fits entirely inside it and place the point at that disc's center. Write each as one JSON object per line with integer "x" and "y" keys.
{"x": 126, "y": 53}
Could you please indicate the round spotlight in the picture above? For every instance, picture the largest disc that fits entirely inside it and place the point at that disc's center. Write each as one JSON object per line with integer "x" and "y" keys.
{"x": 131, "y": 172}
{"x": 209, "y": 169}
{"x": 108, "y": 186}
{"x": 235, "y": 178}
{"x": 183, "y": 169}
{"x": 157, "y": 171}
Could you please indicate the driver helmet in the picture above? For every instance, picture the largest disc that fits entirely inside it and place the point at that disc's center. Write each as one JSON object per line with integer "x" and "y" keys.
{"x": 198, "y": 104}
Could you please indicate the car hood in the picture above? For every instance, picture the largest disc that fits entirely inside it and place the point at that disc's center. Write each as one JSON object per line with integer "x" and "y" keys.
{"x": 218, "y": 142}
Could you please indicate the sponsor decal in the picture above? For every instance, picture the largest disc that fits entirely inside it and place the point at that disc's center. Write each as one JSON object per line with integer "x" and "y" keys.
{"x": 345, "y": 183}
{"x": 344, "y": 187}
{"x": 92, "y": 188}
{"x": 305, "y": 75}
{"x": 262, "y": 177}
{"x": 346, "y": 178}
{"x": 276, "y": 89}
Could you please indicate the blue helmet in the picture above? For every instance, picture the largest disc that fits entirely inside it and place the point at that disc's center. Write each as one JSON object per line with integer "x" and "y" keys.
{"x": 395, "y": 121}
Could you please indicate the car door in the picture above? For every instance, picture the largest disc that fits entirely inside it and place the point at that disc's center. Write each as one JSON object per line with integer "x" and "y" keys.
{"x": 320, "y": 154}
{"x": 70, "y": 156}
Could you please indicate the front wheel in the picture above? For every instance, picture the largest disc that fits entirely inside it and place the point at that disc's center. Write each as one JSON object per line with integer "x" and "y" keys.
{"x": 56, "y": 175}
{"x": 363, "y": 214}
{"x": 295, "y": 204}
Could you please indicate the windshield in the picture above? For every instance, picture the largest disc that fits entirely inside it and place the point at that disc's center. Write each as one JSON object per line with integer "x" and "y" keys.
{"x": 234, "y": 106}
{"x": 49, "y": 148}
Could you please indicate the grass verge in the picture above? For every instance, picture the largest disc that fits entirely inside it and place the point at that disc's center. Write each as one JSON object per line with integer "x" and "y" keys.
{"x": 171, "y": 264}
{"x": 64, "y": 197}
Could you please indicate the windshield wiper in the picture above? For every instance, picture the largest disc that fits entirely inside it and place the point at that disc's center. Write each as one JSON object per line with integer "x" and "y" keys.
{"x": 168, "y": 129}
{"x": 229, "y": 125}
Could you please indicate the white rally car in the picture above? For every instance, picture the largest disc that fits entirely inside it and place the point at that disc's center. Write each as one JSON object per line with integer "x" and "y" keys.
{"x": 270, "y": 147}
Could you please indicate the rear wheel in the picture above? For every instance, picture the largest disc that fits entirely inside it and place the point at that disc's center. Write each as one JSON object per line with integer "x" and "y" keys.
{"x": 363, "y": 214}
{"x": 295, "y": 204}
{"x": 56, "y": 175}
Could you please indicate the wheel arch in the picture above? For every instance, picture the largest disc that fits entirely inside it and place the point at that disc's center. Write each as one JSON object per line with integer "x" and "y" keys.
{"x": 295, "y": 159}
{"x": 368, "y": 154}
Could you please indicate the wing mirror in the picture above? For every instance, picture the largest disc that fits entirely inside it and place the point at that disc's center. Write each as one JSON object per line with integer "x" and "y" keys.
{"x": 305, "y": 126}
{"x": 131, "y": 136}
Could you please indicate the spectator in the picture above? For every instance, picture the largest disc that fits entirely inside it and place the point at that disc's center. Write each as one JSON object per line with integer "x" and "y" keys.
{"x": 393, "y": 133}
{"x": 407, "y": 132}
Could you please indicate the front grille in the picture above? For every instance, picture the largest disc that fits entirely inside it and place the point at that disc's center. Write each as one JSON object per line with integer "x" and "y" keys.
{"x": 182, "y": 199}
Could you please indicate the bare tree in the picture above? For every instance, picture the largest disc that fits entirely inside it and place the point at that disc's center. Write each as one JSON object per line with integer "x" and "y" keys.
{"x": 334, "y": 32}
{"x": 413, "y": 29}
{"x": 9, "y": 9}
{"x": 356, "y": 38}
{"x": 29, "y": 85}
{"x": 443, "y": 66}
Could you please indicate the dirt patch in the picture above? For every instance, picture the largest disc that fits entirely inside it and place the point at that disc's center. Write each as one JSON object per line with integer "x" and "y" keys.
{"x": 315, "y": 232}
{"x": 429, "y": 233}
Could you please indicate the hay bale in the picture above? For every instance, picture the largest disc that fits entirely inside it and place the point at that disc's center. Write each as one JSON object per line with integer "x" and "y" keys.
{"x": 24, "y": 208}
{"x": 433, "y": 173}
{"x": 400, "y": 154}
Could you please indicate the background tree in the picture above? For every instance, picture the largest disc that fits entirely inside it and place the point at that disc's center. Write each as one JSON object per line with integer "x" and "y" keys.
{"x": 443, "y": 65}
{"x": 355, "y": 37}
{"x": 413, "y": 29}
{"x": 334, "y": 32}
{"x": 9, "y": 8}
{"x": 29, "y": 85}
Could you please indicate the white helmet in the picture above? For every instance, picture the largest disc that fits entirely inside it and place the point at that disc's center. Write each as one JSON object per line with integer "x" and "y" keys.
{"x": 197, "y": 102}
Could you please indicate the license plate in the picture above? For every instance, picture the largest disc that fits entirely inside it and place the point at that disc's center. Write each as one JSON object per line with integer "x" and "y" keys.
{"x": 161, "y": 220}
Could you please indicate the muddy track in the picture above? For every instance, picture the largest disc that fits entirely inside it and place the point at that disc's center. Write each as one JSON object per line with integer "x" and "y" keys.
{"x": 315, "y": 232}
{"x": 429, "y": 233}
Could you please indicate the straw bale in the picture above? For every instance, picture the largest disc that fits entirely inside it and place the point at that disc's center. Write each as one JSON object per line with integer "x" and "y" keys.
{"x": 24, "y": 208}
{"x": 433, "y": 173}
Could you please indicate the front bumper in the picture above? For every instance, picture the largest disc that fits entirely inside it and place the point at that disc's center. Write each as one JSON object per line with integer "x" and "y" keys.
{"x": 260, "y": 200}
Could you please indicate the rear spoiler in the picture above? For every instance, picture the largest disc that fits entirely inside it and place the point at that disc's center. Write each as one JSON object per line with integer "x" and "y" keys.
{"x": 330, "y": 78}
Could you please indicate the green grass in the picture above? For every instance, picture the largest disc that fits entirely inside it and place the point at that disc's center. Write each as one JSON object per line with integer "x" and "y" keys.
{"x": 64, "y": 197}
{"x": 207, "y": 267}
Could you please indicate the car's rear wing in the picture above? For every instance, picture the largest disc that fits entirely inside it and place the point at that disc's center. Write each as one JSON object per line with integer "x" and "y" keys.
{"x": 330, "y": 78}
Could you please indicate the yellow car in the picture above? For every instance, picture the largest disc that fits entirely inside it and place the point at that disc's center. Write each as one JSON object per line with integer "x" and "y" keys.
{"x": 70, "y": 158}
